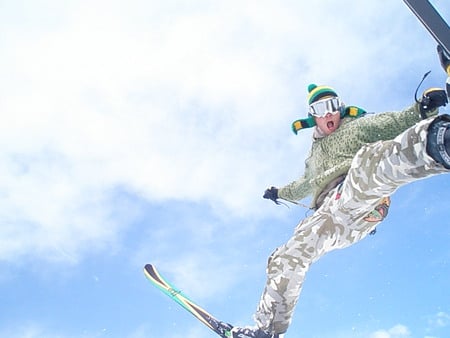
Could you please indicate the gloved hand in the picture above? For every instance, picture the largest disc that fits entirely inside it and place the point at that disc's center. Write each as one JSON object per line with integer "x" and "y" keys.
{"x": 431, "y": 99}
{"x": 444, "y": 58}
{"x": 271, "y": 194}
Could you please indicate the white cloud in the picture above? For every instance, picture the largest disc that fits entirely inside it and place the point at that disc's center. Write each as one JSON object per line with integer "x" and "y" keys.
{"x": 439, "y": 320}
{"x": 28, "y": 330}
{"x": 397, "y": 331}
{"x": 190, "y": 101}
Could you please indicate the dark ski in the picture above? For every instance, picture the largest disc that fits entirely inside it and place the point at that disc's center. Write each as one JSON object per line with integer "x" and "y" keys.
{"x": 221, "y": 328}
{"x": 432, "y": 21}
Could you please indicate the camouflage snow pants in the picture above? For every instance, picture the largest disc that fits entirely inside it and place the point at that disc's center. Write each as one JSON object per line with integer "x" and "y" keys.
{"x": 349, "y": 213}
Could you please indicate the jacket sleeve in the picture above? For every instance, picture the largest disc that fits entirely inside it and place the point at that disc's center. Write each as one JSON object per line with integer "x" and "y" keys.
{"x": 298, "y": 189}
{"x": 385, "y": 126}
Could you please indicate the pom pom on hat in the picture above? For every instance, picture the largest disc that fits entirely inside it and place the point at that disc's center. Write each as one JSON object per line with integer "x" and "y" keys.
{"x": 318, "y": 92}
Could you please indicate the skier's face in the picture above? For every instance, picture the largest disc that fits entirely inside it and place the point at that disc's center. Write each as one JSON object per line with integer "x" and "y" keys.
{"x": 328, "y": 123}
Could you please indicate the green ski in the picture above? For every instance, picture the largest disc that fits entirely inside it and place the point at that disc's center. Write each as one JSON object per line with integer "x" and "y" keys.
{"x": 221, "y": 328}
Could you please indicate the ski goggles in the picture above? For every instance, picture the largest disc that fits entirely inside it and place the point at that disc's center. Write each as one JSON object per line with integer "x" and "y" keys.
{"x": 321, "y": 108}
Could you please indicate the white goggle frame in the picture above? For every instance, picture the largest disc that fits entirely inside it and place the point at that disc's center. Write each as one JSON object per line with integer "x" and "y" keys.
{"x": 330, "y": 105}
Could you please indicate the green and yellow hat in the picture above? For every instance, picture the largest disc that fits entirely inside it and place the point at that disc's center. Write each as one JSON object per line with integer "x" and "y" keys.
{"x": 316, "y": 93}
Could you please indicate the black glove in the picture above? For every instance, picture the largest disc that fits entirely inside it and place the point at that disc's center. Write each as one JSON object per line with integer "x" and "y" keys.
{"x": 431, "y": 99}
{"x": 271, "y": 194}
{"x": 444, "y": 58}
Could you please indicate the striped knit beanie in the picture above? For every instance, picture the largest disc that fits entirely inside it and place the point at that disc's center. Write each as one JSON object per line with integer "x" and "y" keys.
{"x": 315, "y": 93}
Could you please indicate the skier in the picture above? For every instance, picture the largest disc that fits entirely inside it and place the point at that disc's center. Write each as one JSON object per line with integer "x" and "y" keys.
{"x": 356, "y": 162}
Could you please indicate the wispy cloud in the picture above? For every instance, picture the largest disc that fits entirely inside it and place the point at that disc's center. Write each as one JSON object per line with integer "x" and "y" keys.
{"x": 397, "y": 331}
{"x": 190, "y": 103}
{"x": 439, "y": 320}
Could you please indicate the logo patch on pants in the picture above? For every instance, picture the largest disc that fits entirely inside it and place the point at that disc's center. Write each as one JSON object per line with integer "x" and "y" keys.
{"x": 380, "y": 212}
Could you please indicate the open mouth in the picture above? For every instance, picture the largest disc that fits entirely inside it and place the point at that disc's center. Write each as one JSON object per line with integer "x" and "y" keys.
{"x": 330, "y": 124}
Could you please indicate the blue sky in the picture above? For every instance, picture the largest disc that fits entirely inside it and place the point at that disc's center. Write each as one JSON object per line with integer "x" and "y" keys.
{"x": 146, "y": 131}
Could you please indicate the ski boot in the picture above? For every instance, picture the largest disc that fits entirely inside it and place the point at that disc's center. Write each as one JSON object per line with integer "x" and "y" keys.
{"x": 438, "y": 140}
{"x": 241, "y": 332}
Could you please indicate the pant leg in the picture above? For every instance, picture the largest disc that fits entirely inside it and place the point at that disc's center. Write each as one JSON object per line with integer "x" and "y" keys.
{"x": 379, "y": 169}
{"x": 344, "y": 218}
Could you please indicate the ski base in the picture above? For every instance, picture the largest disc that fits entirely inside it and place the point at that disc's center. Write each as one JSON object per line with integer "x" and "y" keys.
{"x": 219, "y": 327}
{"x": 432, "y": 21}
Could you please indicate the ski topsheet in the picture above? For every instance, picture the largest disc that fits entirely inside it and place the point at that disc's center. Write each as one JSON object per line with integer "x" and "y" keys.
{"x": 432, "y": 21}
{"x": 221, "y": 328}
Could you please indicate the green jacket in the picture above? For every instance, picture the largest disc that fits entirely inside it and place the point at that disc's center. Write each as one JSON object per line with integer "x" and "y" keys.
{"x": 331, "y": 156}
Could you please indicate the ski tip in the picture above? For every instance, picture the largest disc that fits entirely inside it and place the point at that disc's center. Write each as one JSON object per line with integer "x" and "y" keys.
{"x": 149, "y": 267}
{"x": 151, "y": 273}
